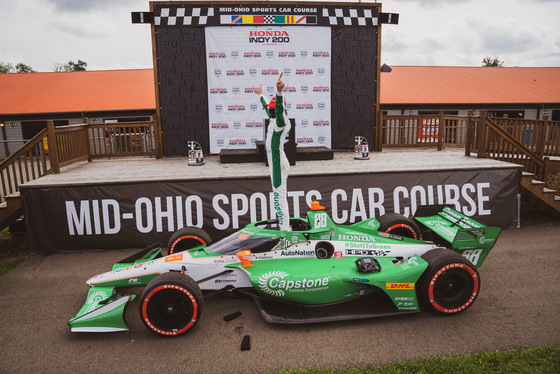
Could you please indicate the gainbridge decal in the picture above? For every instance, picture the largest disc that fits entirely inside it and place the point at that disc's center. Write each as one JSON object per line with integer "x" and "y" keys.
{"x": 240, "y": 59}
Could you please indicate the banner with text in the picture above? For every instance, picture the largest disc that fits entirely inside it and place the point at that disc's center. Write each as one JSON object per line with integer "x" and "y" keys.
{"x": 240, "y": 59}
{"x": 121, "y": 216}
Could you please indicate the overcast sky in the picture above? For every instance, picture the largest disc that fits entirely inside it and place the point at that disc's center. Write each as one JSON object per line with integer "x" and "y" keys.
{"x": 40, "y": 33}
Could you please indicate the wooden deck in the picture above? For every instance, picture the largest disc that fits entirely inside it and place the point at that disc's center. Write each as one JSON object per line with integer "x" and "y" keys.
{"x": 134, "y": 170}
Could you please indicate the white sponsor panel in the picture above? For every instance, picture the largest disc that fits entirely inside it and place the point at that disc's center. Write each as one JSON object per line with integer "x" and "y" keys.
{"x": 240, "y": 59}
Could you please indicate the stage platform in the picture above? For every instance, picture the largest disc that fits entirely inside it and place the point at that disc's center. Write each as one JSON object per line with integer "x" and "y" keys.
{"x": 132, "y": 203}
{"x": 133, "y": 170}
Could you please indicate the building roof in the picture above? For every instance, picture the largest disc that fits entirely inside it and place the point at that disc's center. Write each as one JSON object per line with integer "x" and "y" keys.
{"x": 80, "y": 91}
{"x": 116, "y": 90}
{"x": 470, "y": 85}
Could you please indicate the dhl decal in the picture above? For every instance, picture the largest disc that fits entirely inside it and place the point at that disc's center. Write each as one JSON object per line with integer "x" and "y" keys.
{"x": 399, "y": 286}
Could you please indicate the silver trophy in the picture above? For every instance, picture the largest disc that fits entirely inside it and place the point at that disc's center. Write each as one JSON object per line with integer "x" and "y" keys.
{"x": 361, "y": 148}
{"x": 196, "y": 157}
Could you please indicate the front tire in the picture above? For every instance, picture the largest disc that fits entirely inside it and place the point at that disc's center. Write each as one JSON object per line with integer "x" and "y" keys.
{"x": 171, "y": 304}
{"x": 393, "y": 223}
{"x": 450, "y": 284}
{"x": 187, "y": 238}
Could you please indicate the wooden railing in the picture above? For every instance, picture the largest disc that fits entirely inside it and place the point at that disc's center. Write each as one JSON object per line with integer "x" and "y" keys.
{"x": 540, "y": 136}
{"x": 436, "y": 131}
{"x": 56, "y": 147}
{"x": 27, "y": 163}
{"x": 124, "y": 139}
{"x": 519, "y": 141}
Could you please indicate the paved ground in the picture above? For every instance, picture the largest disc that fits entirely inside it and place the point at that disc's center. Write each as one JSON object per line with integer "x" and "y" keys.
{"x": 518, "y": 307}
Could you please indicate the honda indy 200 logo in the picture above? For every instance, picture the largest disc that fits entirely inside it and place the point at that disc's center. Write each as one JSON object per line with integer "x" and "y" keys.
{"x": 277, "y": 283}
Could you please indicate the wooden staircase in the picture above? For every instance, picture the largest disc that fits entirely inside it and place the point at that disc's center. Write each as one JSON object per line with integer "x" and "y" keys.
{"x": 534, "y": 144}
{"x": 10, "y": 210}
{"x": 539, "y": 190}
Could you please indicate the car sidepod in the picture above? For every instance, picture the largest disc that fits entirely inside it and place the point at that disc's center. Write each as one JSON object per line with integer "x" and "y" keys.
{"x": 308, "y": 290}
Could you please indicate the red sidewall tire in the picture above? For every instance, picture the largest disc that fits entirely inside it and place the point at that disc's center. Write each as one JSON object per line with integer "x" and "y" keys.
{"x": 171, "y": 304}
{"x": 187, "y": 238}
{"x": 450, "y": 284}
{"x": 445, "y": 270}
{"x": 393, "y": 223}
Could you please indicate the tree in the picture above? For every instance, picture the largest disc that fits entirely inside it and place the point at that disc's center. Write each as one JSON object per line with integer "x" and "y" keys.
{"x": 77, "y": 66}
{"x": 6, "y": 68}
{"x": 22, "y": 68}
{"x": 489, "y": 61}
{"x": 71, "y": 66}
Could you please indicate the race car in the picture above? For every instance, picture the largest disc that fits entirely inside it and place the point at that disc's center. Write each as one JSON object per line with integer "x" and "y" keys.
{"x": 318, "y": 271}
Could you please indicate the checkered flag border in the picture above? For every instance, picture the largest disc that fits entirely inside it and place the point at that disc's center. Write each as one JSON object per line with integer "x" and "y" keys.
{"x": 183, "y": 16}
{"x": 350, "y": 17}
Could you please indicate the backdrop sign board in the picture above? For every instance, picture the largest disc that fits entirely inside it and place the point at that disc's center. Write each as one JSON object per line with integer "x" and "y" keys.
{"x": 118, "y": 216}
{"x": 209, "y": 57}
{"x": 242, "y": 59}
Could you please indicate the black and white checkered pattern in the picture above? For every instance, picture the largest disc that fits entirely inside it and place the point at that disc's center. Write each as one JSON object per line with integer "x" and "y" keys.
{"x": 268, "y": 19}
{"x": 350, "y": 16}
{"x": 183, "y": 16}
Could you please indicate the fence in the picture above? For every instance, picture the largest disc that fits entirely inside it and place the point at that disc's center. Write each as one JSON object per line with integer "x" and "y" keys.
{"x": 423, "y": 131}
{"x": 519, "y": 141}
{"x": 56, "y": 147}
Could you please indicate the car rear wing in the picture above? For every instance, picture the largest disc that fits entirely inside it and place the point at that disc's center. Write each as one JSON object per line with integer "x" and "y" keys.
{"x": 464, "y": 235}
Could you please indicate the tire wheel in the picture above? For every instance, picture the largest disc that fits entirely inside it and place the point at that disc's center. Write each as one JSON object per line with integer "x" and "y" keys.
{"x": 450, "y": 284}
{"x": 393, "y": 223}
{"x": 171, "y": 304}
{"x": 187, "y": 238}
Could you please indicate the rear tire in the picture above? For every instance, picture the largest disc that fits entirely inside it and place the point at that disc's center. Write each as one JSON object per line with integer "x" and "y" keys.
{"x": 187, "y": 238}
{"x": 171, "y": 304}
{"x": 393, "y": 223}
{"x": 450, "y": 284}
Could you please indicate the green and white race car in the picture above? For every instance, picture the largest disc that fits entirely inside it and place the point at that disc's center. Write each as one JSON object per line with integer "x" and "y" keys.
{"x": 318, "y": 271}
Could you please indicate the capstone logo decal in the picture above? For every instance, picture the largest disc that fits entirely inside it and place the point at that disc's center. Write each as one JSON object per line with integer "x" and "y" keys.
{"x": 94, "y": 299}
{"x": 277, "y": 283}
